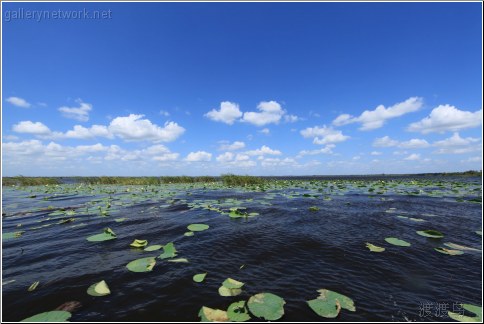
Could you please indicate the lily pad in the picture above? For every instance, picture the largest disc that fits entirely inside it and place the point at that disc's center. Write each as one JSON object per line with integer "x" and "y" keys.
{"x": 139, "y": 243}
{"x": 374, "y": 248}
{"x": 182, "y": 260}
{"x": 477, "y": 310}
{"x": 141, "y": 265}
{"x": 11, "y": 235}
{"x": 448, "y": 251}
{"x": 188, "y": 233}
{"x": 208, "y": 314}
{"x": 232, "y": 283}
{"x": 52, "y": 316}
{"x": 267, "y": 306}
{"x": 227, "y": 292}
{"x": 197, "y": 227}
{"x": 107, "y": 235}
{"x": 237, "y": 312}
{"x": 152, "y": 248}
{"x": 313, "y": 208}
{"x": 119, "y": 220}
{"x": 169, "y": 251}
{"x": 99, "y": 289}
{"x": 398, "y": 242}
{"x": 329, "y": 303}
{"x": 199, "y": 277}
{"x": 431, "y": 233}
{"x": 460, "y": 247}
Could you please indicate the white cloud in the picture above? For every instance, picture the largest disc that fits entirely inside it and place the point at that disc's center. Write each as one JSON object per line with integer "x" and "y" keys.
{"x": 265, "y": 131}
{"x": 270, "y": 113}
{"x": 375, "y": 153}
{"x": 19, "y": 102}
{"x": 324, "y": 135}
{"x": 200, "y": 156}
{"x": 447, "y": 118}
{"x": 237, "y": 145}
{"x": 456, "y": 140}
{"x": 276, "y": 162}
{"x": 29, "y": 127}
{"x": 81, "y": 132}
{"x": 414, "y": 143}
{"x": 80, "y": 113}
{"x": 328, "y": 149}
{"x": 263, "y": 151}
{"x": 225, "y": 157}
{"x": 229, "y": 112}
{"x": 413, "y": 157}
{"x": 356, "y": 157}
{"x": 242, "y": 157}
{"x": 473, "y": 159}
{"x": 291, "y": 118}
{"x": 166, "y": 157}
{"x": 384, "y": 141}
{"x": 373, "y": 119}
{"x": 133, "y": 128}
{"x": 458, "y": 145}
{"x": 164, "y": 113}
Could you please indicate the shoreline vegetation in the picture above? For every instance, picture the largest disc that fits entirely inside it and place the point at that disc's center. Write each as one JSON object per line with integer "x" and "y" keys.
{"x": 230, "y": 180}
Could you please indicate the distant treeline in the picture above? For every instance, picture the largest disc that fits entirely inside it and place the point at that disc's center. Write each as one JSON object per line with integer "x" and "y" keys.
{"x": 226, "y": 179}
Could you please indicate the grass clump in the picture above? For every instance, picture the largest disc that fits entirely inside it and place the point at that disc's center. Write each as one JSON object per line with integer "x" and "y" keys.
{"x": 238, "y": 180}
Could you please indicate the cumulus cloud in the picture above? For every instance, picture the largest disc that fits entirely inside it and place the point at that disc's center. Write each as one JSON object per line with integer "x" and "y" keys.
{"x": 81, "y": 132}
{"x": 225, "y": 157}
{"x": 324, "y": 135}
{"x": 80, "y": 113}
{"x": 413, "y": 157}
{"x": 265, "y": 131}
{"x": 228, "y": 113}
{"x": 264, "y": 150}
{"x": 237, "y": 145}
{"x": 458, "y": 145}
{"x": 414, "y": 143}
{"x": 134, "y": 128}
{"x": 276, "y": 162}
{"x": 373, "y": 119}
{"x": 328, "y": 149}
{"x": 29, "y": 127}
{"x": 291, "y": 118}
{"x": 270, "y": 112}
{"x": 19, "y": 102}
{"x": 376, "y": 153}
{"x": 200, "y": 156}
{"x": 447, "y": 118}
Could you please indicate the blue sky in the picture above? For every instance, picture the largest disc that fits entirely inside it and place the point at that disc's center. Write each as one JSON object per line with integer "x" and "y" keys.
{"x": 246, "y": 88}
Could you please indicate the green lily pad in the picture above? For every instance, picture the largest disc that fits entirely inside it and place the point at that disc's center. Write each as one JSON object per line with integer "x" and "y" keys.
{"x": 431, "y": 233}
{"x": 208, "y": 314}
{"x": 107, "y": 235}
{"x": 374, "y": 248}
{"x": 398, "y": 242}
{"x": 152, "y": 248}
{"x": 197, "y": 227}
{"x": 199, "y": 277}
{"x": 477, "y": 310}
{"x": 313, "y": 208}
{"x": 33, "y": 286}
{"x": 99, "y": 289}
{"x": 227, "y": 292}
{"x": 329, "y": 303}
{"x": 119, "y": 220}
{"x": 139, "y": 243}
{"x": 52, "y": 316}
{"x": 237, "y": 312}
{"x": 232, "y": 283}
{"x": 182, "y": 260}
{"x": 169, "y": 251}
{"x": 188, "y": 233}
{"x": 11, "y": 235}
{"x": 141, "y": 265}
{"x": 448, "y": 251}
{"x": 267, "y": 306}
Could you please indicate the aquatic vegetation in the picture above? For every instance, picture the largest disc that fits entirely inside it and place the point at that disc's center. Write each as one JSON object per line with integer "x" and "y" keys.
{"x": 230, "y": 287}
{"x": 107, "y": 235}
{"x": 207, "y": 314}
{"x": 431, "y": 233}
{"x": 237, "y": 312}
{"x": 329, "y": 303}
{"x": 152, "y": 248}
{"x": 374, "y": 248}
{"x": 199, "y": 277}
{"x": 169, "y": 251}
{"x": 397, "y": 242}
{"x": 197, "y": 227}
{"x": 448, "y": 251}
{"x": 11, "y": 235}
{"x": 52, "y": 316}
{"x": 33, "y": 286}
{"x": 139, "y": 243}
{"x": 476, "y": 310}
{"x": 141, "y": 265}
{"x": 182, "y": 260}
{"x": 99, "y": 289}
{"x": 267, "y": 306}
{"x": 313, "y": 208}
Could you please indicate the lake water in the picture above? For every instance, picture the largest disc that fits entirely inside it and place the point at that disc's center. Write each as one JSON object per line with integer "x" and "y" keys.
{"x": 287, "y": 249}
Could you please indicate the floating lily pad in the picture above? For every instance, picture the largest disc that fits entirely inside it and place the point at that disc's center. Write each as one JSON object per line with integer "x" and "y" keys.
{"x": 52, "y": 316}
{"x": 227, "y": 292}
{"x": 448, "y": 251}
{"x": 169, "y": 251}
{"x": 479, "y": 233}
{"x": 208, "y": 314}
{"x": 237, "y": 312}
{"x": 460, "y": 247}
{"x": 267, "y": 306}
{"x": 107, "y": 235}
{"x": 232, "y": 283}
{"x": 139, "y": 243}
{"x": 477, "y": 310}
{"x": 313, "y": 208}
{"x": 11, "y": 235}
{"x": 141, "y": 265}
{"x": 374, "y": 248}
{"x": 398, "y": 242}
{"x": 188, "y": 233}
{"x": 183, "y": 260}
{"x": 33, "y": 286}
{"x": 329, "y": 303}
{"x": 197, "y": 227}
{"x": 152, "y": 248}
{"x": 431, "y": 233}
{"x": 119, "y": 220}
{"x": 199, "y": 277}
{"x": 99, "y": 289}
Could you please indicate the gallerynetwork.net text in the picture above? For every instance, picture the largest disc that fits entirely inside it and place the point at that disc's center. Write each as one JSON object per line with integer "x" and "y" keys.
{"x": 39, "y": 15}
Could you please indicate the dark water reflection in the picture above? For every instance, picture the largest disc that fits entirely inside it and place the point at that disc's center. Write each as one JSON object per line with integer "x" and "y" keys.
{"x": 287, "y": 250}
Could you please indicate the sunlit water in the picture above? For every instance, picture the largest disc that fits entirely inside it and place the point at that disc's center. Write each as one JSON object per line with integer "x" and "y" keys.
{"x": 286, "y": 250}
